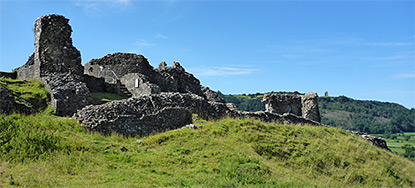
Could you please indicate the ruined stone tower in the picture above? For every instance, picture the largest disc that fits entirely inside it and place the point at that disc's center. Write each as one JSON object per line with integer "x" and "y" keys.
{"x": 57, "y": 63}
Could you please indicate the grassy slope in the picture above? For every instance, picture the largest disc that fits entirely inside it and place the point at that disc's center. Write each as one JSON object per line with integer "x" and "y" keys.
{"x": 42, "y": 150}
{"x": 32, "y": 91}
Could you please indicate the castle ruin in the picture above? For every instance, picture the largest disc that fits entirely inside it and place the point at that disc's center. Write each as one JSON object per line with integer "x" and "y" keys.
{"x": 160, "y": 98}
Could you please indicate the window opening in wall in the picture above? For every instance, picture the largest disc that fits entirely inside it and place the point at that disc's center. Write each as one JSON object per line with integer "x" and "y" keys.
{"x": 136, "y": 82}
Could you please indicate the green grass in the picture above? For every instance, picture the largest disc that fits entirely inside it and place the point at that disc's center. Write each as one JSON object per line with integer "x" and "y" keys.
{"x": 32, "y": 91}
{"x": 105, "y": 97}
{"x": 48, "y": 151}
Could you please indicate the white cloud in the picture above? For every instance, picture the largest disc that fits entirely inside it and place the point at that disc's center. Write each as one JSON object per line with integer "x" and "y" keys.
{"x": 223, "y": 71}
{"x": 122, "y": 1}
{"x": 388, "y": 44}
{"x": 94, "y": 7}
{"x": 160, "y": 36}
{"x": 405, "y": 75}
{"x": 90, "y": 8}
{"x": 143, "y": 43}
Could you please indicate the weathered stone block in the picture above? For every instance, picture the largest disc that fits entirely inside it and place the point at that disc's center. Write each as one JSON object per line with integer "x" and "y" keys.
{"x": 305, "y": 106}
{"x": 309, "y": 108}
{"x": 283, "y": 103}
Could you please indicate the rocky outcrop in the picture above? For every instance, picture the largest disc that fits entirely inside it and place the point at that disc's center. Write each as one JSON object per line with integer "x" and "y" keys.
{"x": 57, "y": 63}
{"x": 156, "y": 112}
{"x": 305, "y": 106}
{"x": 376, "y": 141}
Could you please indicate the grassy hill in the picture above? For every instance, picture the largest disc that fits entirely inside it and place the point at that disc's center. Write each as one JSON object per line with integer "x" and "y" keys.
{"x": 42, "y": 151}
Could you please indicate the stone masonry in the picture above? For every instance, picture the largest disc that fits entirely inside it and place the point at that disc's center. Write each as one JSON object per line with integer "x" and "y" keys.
{"x": 158, "y": 112}
{"x": 57, "y": 63}
{"x": 305, "y": 106}
{"x": 136, "y": 74}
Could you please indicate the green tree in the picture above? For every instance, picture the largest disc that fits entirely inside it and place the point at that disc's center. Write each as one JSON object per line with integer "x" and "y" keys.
{"x": 409, "y": 151}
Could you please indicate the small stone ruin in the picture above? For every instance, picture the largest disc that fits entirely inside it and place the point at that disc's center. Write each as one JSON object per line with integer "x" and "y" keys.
{"x": 376, "y": 141}
{"x": 305, "y": 106}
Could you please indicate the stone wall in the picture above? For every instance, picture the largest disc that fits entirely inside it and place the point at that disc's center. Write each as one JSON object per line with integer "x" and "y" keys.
{"x": 115, "y": 66}
{"x": 157, "y": 112}
{"x": 283, "y": 103}
{"x": 182, "y": 80}
{"x": 309, "y": 106}
{"x": 140, "y": 78}
{"x": 305, "y": 106}
{"x": 57, "y": 63}
{"x": 138, "y": 84}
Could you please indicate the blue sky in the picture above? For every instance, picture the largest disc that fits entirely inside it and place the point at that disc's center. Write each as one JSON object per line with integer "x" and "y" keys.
{"x": 360, "y": 49}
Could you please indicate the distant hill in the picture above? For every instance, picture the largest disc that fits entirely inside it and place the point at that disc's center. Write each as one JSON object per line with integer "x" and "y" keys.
{"x": 366, "y": 116}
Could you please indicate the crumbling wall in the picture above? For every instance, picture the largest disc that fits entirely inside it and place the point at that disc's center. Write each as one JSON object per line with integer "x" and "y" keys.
{"x": 376, "y": 141}
{"x": 115, "y": 66}
{"x": 283, "y": 103}
{"x": 309, "y": 106}
{"x": 157, "y": 112}
{"x": 27, "y": 71}
{"x": 182, "y": 80}
{"x": 140, "y": 78}
{"x": 132, "y": 70}
{"x": 57, "y": 63}
{"x": 139, "y": 84}
{"x": 305, "y": 106}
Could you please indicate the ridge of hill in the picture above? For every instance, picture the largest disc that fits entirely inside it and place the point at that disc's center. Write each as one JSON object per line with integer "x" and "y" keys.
{"x": 48, "y": 151}
{"x": 372, "y": 117}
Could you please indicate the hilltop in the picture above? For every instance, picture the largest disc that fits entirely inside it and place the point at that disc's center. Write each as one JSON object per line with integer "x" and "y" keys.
{"x": 48, "y": 151}
{"x": 43, "y": 150}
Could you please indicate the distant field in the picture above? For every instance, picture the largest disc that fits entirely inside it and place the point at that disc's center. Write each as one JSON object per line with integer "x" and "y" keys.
{"x": 396, "y": 141}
